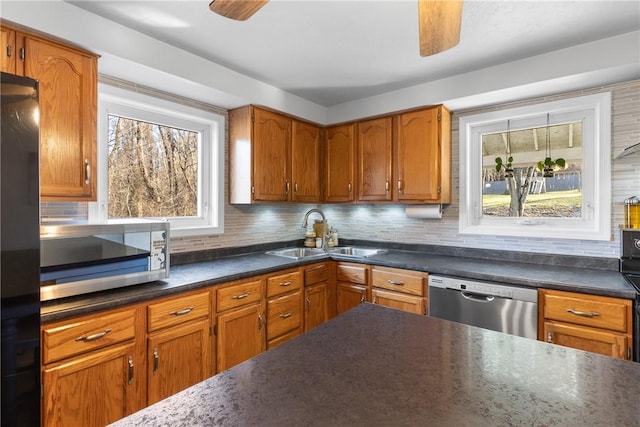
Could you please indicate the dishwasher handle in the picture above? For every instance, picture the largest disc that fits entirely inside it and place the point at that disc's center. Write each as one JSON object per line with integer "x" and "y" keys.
{"x": 477, "y": 297}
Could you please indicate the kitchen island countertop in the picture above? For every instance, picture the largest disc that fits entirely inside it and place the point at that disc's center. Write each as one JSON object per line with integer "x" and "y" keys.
{"x": 376, "y": 366}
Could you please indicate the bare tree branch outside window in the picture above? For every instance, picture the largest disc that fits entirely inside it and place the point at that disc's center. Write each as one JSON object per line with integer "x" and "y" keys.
{"x": 153, "y": 170}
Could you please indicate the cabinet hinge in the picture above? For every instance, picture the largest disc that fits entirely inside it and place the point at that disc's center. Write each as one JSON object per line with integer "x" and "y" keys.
{"x": 253, "y": 189}
{"x": 439, "y": 116}
{"x": 439, "y": 189}
{"x": 253, "y": 118}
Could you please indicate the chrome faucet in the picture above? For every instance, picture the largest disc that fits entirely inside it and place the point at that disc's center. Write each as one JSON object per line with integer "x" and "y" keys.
{"x": 324, "y": 224}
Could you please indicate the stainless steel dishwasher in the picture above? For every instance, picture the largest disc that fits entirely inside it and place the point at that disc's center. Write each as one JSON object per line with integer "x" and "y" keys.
{"x": 502, "y": 308}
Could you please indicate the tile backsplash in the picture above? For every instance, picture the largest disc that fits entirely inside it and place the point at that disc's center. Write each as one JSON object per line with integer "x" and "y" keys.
{"x": 248, "y": 225}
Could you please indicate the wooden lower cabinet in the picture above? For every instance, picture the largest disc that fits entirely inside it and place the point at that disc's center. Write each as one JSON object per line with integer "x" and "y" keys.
{"x": 177, "y": 358}
{"x": 352, "y": 286}
{"x": 94, "y": 389}
{"x": 399, "y": 301}
{"x": 591, "y": 323}
{"x": 587, "y": 339}
{"x": 240, "y": 335}
{"x": 315, "y": 305}
{"x": 93, "y": 370}
{"x": 400, "y": 289}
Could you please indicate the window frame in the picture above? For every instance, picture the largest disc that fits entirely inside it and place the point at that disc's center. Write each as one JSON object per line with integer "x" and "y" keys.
{"x": 117, "y": 101}
{"x": 595, "y": 223}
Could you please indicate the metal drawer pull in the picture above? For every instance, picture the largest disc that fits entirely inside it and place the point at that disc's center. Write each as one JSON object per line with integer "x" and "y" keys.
{"x": 156, "y": 361}
{"x": 87, "y": 172}
{"x": 130, "y": 369}
{"x": 181, "y": 312}
{"x": 287, "y": 283}
{"x": 260, "y": 322}
{"x": 308, "y": 305}
{"x": 241, "y": 296}
{"x": 94, "y": 337}
{"x": 286, "y": 315}
{"x": 583, "y": 313}
{"x": 395, "y": 282}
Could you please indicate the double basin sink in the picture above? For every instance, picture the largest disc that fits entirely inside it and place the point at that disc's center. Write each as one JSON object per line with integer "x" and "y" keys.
{"x": 304, "y": 253}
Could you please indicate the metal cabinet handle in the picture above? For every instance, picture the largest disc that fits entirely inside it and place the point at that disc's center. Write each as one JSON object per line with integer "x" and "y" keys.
{"x": 386, "y": 186}
{"x": 395, "y": 282}
{"x": 349, "y": 187}
{"x": 286, "y": 315}
{"x": 583, "y": 313}
{"x": 130, "y": 369}
{"x": 241, "y": 296}
{"x": 156, "y": 361}
{"x": 182, "y": 312}
{"x": 308, "y": 305}
{"x": 286, "y": 187}
{"x": 94, "y": 337}
{"x": 260, "y": 321}
{"x": 295, "y": 188}
{"x": 87, "y": 172}
{"x": 287, "y": 283}
{"x": 9, "y": 51}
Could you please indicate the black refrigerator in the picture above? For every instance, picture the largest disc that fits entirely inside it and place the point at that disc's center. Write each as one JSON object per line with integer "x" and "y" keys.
{"x": 20, "y": 251}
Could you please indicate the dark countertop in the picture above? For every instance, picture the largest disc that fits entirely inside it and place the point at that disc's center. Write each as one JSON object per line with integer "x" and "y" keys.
{"x": 376, "y": 366}
{"x": 205, "y": 273}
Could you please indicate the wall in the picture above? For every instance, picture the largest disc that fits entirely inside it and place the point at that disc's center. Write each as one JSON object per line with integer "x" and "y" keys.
{"x": 255, "y": 224}
{"x": 246, "y": 225}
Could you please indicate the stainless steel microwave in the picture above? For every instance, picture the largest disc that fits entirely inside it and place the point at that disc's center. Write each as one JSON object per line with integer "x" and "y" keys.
{"x": 82, "y": 258}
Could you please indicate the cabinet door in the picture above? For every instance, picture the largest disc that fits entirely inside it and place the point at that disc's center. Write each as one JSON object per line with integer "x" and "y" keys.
{"x": 588, "y": 339}
{"x": 340, "y": 163}
{"x": 95, "y": 389}
{"x": 316, "y": 306}
{"x": 271, "y": 151}
{"x": 374, "y": 159}
{"x": 349, "y": 296}
{"x": 418, "y": 161}
{"x": 178, "y": 358}
{"x": 240, "y": 336}
{"x": 68, "y": 108}
{"x": 9, "y": 51}
{"x": 410, "y": 303}
{"x": 305, "y": 162}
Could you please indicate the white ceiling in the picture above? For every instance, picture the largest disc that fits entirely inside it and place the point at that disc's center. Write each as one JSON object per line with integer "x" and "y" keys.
{"x": 335, "y": 51}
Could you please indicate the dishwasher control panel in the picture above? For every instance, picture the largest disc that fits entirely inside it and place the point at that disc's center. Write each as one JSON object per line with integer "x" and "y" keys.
{"x": 484, "y": 288}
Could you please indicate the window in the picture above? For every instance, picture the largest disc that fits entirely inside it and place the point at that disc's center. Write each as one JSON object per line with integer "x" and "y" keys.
{"x": 507, "y": 189}
{"x": 159, "y": 159}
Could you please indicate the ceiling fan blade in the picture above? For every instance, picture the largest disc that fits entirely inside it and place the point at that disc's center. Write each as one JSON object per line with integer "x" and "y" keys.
{"x": 439, "y": 23}
{"x": 240, "y": 10}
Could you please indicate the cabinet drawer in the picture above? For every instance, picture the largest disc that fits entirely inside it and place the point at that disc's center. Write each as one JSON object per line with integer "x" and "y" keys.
{"x": 407, "y": 282}
{"x": 177, "y": 310}
{"x": 238, "y": 295}
{"x": 62, "y": 340}
{"x": 589, "y": 310}
{"x": 284, "y": 283}
{"x": 316, "y": 274}
{"x": 284, "y": 314}
{"x": 351, "y": 273}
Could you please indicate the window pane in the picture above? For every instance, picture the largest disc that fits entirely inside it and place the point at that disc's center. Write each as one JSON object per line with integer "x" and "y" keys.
{"x": 153, "y": 170}
{"x": 519, "y": 187}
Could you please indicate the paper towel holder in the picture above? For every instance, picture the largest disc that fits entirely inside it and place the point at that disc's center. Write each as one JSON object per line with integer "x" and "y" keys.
{"x": 433, "y": 211}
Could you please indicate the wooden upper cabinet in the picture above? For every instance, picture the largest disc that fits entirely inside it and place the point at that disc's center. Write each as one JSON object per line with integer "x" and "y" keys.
{"x": 374, "y": 159}
{"x": 340, "y": 150}
{"x": 9, "y": 51}
{"x": 305, "y": 162}
{"x": 68, "y": 108}
{"x": 423, "y": 156}
{"x": 271, "y": 151}
{"x": 272, "y": 158}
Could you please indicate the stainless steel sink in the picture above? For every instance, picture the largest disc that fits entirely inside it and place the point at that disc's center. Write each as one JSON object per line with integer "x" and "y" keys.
{"x": 355, "y": 251}
{"x": 297, "y": 253}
